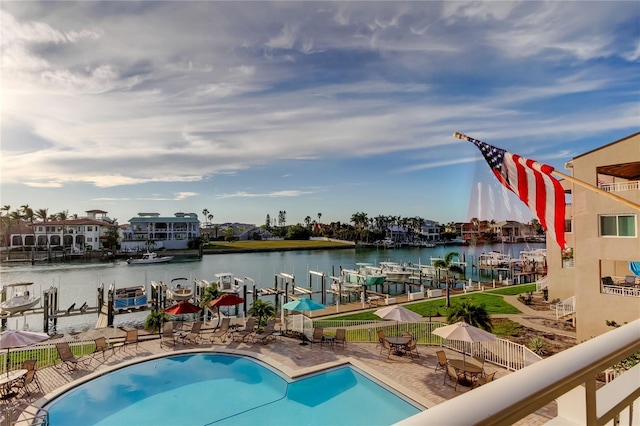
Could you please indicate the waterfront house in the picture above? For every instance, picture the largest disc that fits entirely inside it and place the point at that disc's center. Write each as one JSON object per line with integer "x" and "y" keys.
{"x": 150, "y": 231}
{"x": 593, "y": 276}
{"x": 74, "y": 234}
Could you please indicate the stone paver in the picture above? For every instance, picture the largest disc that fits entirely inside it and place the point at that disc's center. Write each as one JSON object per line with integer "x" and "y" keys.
{"x": 417, "y": 377}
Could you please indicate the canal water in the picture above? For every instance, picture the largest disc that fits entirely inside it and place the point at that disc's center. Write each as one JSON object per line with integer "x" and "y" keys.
{"x": 77, "y": 281}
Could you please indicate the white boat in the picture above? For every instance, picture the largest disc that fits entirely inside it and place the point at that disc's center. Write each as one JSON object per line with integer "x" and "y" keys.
{"x": 536, "y": 255}
{"x": 364, "y": 274}
{"x": 129, "y": 298}
{"x": 395, "y": 272}
{"x": 149, "y": 257}
{"x": 494, "y": 258}
{"x": 19, "y": 298}
{"x": 179, "y": 289}
{"x": 227, "y": 283}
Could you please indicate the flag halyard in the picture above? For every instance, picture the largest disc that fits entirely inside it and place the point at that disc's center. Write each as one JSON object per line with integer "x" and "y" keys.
{"x": 532, "y": 183}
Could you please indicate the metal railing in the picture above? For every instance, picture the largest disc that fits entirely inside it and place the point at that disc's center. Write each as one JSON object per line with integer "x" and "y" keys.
{"x": 621, "y": 290}
{"x": 564, "y": 308}
{"x": 569, "y": 377}
{"x": 504, "y": 353}
{"x": 620, "y": 186}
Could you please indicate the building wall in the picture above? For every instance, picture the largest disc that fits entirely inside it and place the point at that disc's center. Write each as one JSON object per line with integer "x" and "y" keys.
{"x": 597, "y": 256}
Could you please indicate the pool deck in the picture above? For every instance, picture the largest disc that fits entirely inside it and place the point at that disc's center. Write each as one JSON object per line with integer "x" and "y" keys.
{"x": 415, "y": 378}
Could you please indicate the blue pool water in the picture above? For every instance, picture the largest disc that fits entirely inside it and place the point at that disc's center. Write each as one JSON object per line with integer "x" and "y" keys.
{"x": 204, "y": 389}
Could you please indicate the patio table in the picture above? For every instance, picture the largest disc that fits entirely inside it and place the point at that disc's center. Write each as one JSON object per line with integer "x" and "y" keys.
{"x": 6, "y": 380}
{"x": 470, "y": 370}
{"x": 398, "y": 342}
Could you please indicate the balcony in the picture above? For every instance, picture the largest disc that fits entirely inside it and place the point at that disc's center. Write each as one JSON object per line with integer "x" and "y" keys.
{"x": 620, "y": 186}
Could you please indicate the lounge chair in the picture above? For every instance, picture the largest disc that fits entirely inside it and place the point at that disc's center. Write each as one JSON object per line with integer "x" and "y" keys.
{"x": 455, "y": 375}
{"x": 194, "y": 335}
{"x": 442, "y": 360}
{"x": 608, "y": 281}
{"x": 480, "y": 380}
{"x": 101, "y": 347}
{"x": 167, "y": 337}
{"x": 317, "y": 337}
{"x": 341, "y": 337}
{"x": 248, "y": 330}
{"x": 266, "y": 334}
{"x": 66, "y": 356}
{"x": 223, "y": 331}
{"x": 629, "y": 280}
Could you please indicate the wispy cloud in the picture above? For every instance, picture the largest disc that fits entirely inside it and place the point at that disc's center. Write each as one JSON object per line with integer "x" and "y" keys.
{"x": 275, "y": 194}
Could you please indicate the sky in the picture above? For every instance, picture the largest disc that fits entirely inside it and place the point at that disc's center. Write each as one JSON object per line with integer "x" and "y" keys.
{"x": 319, "y": 109}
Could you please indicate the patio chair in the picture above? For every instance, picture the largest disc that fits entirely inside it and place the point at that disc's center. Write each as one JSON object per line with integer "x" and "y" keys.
{"x": 101, "y": 347}
{"x": 223, "y": 331}
{"x": 608, "y": 281}
{"x": 131, "y": 338}
{"x": 30, "y": 377}
{"x": 479, "y": 361}
{"x": 381, "y": 337}
{"x": 483, "y": 380}
{"x": 317, "y": 337}
{"x": 341, "y": 337}
{"x": 455, "y": 375}
{"x": 267, "y": 333}
{"x": 167, "y": 337}
{"x": 442, "y": 360}
{"x": 412, "y": 348}
{"x": 386, "y": 347}
{"x": 194, "y": 335}
{"x": 629, "y": 280}
{"x": 248, "y": 330}
{"x": 66, "y": 356}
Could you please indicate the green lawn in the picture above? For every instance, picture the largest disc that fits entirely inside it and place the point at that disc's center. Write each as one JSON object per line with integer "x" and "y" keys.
{"x": 513, "y": 290}
{"x": 271, "y": 245}
{"x": 494, "y": 305}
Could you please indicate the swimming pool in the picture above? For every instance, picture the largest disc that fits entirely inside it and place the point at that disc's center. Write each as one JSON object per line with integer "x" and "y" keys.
{"x": 203, "y": 389}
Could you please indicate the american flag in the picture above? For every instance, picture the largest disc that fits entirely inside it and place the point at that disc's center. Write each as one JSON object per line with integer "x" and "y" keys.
{"x": 532, "y": 183}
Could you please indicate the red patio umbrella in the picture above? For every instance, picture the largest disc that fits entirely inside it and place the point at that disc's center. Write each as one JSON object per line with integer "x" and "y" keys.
{"x": 227, "y": 299}
{"x": 182, "y": 308}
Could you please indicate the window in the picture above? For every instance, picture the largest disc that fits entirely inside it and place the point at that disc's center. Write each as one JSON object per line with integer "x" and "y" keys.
{"x": 567, "y": 225}
{"x": 89, "y": 228}
{"x": 618, "y": 226}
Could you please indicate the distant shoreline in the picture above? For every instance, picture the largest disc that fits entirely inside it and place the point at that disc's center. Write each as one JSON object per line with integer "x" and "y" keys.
{"x": 272, "y": 246}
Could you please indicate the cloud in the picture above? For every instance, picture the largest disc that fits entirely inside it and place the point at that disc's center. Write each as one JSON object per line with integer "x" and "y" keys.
{"x": 274, "y": 194}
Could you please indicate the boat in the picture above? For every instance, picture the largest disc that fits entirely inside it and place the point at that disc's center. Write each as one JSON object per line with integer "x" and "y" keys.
{"x": 179, "y": 289}
{"x": 19, "y": 298}
{"x": 494, "y": 258}
{"x": 395, "y": 271}
{"x": 536, "y": 255}
{"x": 149, "y": 257}
{"x": 364, "y": 273}
{"x": 227, "y": 283}
{"x": 127, "y": 298}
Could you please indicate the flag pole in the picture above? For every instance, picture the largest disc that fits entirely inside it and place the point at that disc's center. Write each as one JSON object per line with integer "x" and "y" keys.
{"x": 577, "y": 182}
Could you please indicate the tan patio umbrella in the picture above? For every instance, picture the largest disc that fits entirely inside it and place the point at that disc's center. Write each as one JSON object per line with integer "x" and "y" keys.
{"x": 399, "y": 314}
{"x": 463, "y": 332}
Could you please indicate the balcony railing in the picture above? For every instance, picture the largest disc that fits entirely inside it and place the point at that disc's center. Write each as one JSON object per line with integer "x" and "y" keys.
{"x": 620, "y": 186}
{"x": 568, "y": 377}
{"x": 621, "y": 290}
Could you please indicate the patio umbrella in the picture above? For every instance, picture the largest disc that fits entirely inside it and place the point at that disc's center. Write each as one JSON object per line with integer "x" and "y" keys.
{"x": 182, "y": 308}
{"x": 465, "y": 333}
{"x": 399, "y": 314}
{"x": 227, "y": 299}
{"x": 17, "y": 339}
{"x": 303, "y": 304}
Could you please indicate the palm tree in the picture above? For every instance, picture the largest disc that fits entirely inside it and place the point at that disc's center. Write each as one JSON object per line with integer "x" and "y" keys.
{"x": 473, "y": 314}
{"x": 28, "y": 214}
{"x": 447, "y": 263}
{"x": 4, "y": 220}
{"x": 63, "y": 216}
{"x": 261, "y": 310}
{"x": 319, "y": 216}
{"x": 43, "y": 214}
{"x": 307, "y": 221}
{"x": 205, "y": 213}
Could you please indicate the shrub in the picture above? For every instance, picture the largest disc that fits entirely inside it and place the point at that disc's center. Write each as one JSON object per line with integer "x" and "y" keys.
{"x": 537, "y": 345}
